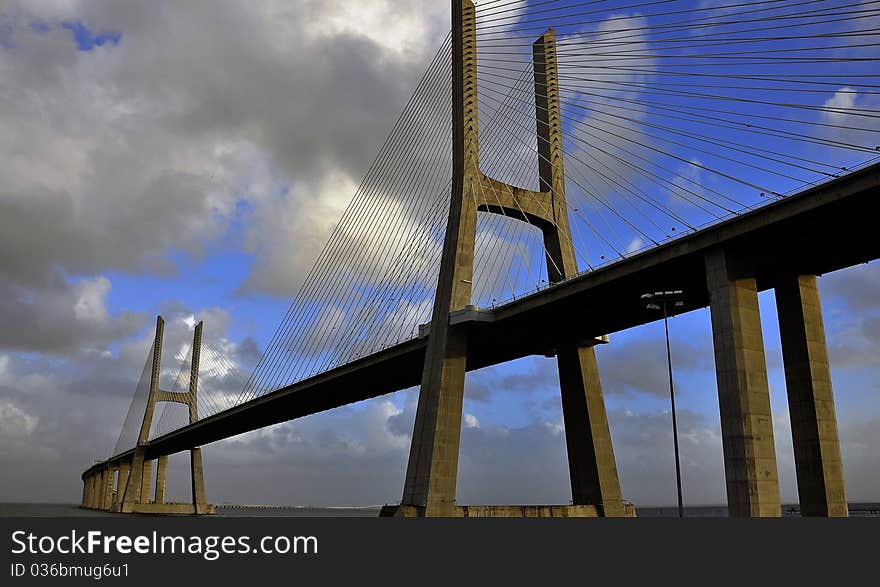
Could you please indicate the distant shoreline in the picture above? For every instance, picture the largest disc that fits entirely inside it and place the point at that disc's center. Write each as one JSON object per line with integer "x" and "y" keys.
{"x": 62, "y": 510}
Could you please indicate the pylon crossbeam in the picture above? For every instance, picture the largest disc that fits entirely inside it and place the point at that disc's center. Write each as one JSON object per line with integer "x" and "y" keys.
{"x": 518, "y": 203}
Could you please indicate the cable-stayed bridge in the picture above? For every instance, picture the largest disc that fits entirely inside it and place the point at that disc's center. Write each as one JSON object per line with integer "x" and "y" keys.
{"x": 597, "y": 151}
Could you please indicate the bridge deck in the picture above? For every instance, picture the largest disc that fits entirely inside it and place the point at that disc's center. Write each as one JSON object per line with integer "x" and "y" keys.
{"x": 822, "y": 229}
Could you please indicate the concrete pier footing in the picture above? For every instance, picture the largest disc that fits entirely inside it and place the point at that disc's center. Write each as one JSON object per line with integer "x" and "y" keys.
{"x": 508, "y": 511}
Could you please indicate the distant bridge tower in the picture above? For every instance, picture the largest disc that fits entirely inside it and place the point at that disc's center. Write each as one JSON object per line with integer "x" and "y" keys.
{"x": 133, "y": 474}
{"x": 433, "y": 462}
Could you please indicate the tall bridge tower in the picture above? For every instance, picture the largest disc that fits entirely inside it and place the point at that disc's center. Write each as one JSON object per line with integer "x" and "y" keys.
{"x": 124, "y": 485}
{"x": 433, "y": 461}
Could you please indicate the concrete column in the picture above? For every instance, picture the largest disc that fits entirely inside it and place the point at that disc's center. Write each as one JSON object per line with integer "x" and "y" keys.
{"x": 109, "y": 474}
{"x": 432, "y": 470}
{"x": 591, "y": 464}
{"x": 743, "y": 391}
{"x": 100, "y": 485}
{"x": 561, "y": 259}
{"x": 146, "y": 482}
{"x": 197, "y": 475}
{"x": 810, "y": 398}
{"x": 89, "y": 490}
{"x": 135, "y": 482}
{"x": 124, "y": 468}
{"x": 161, "y": 476}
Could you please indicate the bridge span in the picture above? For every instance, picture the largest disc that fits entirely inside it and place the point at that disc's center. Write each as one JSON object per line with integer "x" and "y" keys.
{"x": 783, "y": 245}
{"x": 820, "y": 230}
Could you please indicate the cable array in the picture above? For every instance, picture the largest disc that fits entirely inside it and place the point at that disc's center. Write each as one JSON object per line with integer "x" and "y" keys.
{"x": 131, "y": 427}
{"x": 679, "y": 114}
{"x": 676, "y": 114}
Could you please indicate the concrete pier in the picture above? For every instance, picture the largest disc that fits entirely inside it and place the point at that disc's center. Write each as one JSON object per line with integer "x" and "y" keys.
{"x": 108, "y": 480}
{"x": 146, "y": 482}
{"x": 817, "y": 457}
{"x": 161, "y": 476}
{"x": 743, "y": 391}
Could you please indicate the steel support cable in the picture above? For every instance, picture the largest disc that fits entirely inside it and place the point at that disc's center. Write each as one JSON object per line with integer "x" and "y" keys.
{"x": 593, "y": 195}
{"x": 641, "y": 34}
{"x": 390, "y": 331}
{"x": 739, "y": 147}
{"x": 360, "y": 301}
{"x": 490, "y": 136}
{"x": 699, "y": 95}
{"x": 768, "y": 60}
{"x": 690, "y": 24}
{"x": 354, "y": 210}
{"x": 717, "y": 121}
{"x": 370, "y": 313}
{"x": 603, "y": 59}
{"x": 504, "y": 110}
{"x": 693, "y": 163}
{"x": 641, "y": 111}
{"x": 365, "y": 302}
{"x": 481, "y": 9}
{"x": 746, "y": 88}
{"x": 618, "y": 9}
{"x": 351, "y": 310}
{"x": 731, "y": 145}
{"x": 623, "y": 218}
{"x": 618, "y": 70}
{"x": 665, "y": 52}
{"x": 344, "y": 350}
{"x": 220, "y": 367}
{"x": 321, "y": 337}
{"x": 484, "y": 22}
{"x": 364, "y": 310}
{"x": 642, "y": 194}
{"x": 476, "y": 207}
{"x": 697, "y": 111}
{"x": 369, "y": 278}
{"x": 164, "y": 423}
{"x": 720, "y": 58}
{"x": 210, "y": 358}
{"x": 698, "y": 41}
{"x": 600, "y": 234}
{"x": 512, "y": 174}
{"x": 863, "y": 112}
{"x": 577, "y": 121}
{"x": 134, "y": 416}
{"x": 624, "y": 197}
{"x": 357, "y": 211}
{"x": 502, "y": 247}
{"x": 659, "y": 178}
{"x": 216, "y": 365}
{"x": 381, "y": 295}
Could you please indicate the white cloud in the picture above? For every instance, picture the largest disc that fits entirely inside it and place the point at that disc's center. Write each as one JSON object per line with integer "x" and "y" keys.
{"x": 90, "y": 301}
{"x": 849, "y": 126}
{"x": 16, "y": 422}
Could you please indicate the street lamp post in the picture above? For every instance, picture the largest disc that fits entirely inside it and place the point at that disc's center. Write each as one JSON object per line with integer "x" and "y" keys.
{"x": 665, "y": 298}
